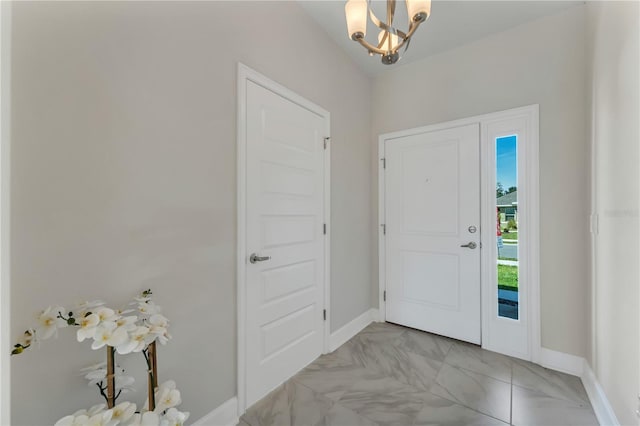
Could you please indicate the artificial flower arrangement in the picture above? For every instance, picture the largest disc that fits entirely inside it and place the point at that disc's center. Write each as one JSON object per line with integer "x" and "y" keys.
{"x": 132, "y": 330}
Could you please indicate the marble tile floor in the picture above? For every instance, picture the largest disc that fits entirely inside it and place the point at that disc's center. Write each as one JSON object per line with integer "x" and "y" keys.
{"x": 392, "y": 375}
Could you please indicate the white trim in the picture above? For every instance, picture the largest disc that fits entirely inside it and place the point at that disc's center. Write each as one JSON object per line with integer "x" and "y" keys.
{"x": 327, "y": 237}
{"x": 5, "y": 189}
{"x": 247, "y": 74}
{"x": 532, "y": 181}
{"x": 578, "y": 366}
{"x": 599, "y": 401}
{"x": 519, "y": 338}
{"x": 382, "y": 271}
{"x": 225, "y": 415}
{"x": 350, "y": 329}
{"x": 560, "y": 361}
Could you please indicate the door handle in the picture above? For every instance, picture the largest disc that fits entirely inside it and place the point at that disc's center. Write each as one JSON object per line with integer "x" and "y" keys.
{"x": 470, "y": 245}
{"x": 255, "y": 258}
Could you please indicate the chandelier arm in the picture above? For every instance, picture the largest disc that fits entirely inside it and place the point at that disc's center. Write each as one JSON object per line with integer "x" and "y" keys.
{"x": 405, "y": 40}
{"x": 391, "y": 11}
{"x": 370, "y": 47}
{"x": 378, "y": 23}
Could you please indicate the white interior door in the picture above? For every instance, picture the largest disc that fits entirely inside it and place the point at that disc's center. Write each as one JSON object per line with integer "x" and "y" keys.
{"x": 284, "y": 227}
{"x": 432, "y": 204}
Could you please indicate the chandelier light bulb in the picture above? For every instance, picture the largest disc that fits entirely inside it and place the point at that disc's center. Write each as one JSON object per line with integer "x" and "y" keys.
{"x": 385, "y": 46}
{"x": 418, "y": 10}
{"x": 356, "y": 13}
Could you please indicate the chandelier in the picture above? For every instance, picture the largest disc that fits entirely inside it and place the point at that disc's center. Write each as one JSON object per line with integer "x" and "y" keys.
{"x": 390, "y": 39}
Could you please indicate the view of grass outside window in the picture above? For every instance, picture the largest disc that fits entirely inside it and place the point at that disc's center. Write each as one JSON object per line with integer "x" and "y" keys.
{"x": 507, "y": 225}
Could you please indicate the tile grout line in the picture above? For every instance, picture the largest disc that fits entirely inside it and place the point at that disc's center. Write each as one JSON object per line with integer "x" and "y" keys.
{"x": 462, "y": 405}
{"x": 511, "y": 398}
{"x": 475, "y": 372}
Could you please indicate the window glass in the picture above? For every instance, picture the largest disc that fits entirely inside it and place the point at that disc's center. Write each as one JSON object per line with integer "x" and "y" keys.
{"x": 507, "y": 225}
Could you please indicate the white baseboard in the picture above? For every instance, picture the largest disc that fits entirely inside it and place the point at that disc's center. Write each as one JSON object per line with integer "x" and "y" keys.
{"x": 599, "y": 402}
{"x": 560, "y": 361}
{"x": 347, "y": 331}
{"x": 578, "y": 366}
{"x": 225, "y": 415}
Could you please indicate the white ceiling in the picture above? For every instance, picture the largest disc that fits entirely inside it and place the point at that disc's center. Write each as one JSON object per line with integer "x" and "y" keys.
{"x": 451, "y": 24}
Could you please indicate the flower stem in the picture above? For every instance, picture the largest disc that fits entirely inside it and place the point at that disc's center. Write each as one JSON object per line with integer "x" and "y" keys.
{"x": 111, "y": 378}
{"x": 152, "y": 365}
{"x": 104, "y": 395}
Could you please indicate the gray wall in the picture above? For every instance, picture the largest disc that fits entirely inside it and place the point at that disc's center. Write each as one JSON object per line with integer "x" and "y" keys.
{"x": 541, "y": 62}
{"x": 124, "y": 177}
{"x": 614, "y": 65}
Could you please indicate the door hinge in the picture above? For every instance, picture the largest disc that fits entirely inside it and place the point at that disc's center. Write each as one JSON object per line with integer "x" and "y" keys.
{"x": 324, "y": 228}
{"x": 326, "y": 141}
{"x": 384, "y": 163}
{"x": 384, "y": 295}
{"x": 384, "y": 229}
{"x": 324, "y": 314}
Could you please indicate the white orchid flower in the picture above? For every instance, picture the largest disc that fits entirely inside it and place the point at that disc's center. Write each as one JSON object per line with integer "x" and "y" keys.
{"x": 86, "y": 306}
{"x": 167, "y": 384}
{"x": 48, "y": 323}
{"x": 125, "y": 383}
{"x": 173, "y": 417}
{"x": 141, "y": 299}
{"x": 79, "y": 420}
{"x": 123, "y": 412}
{"x": 106, "y": 314}
{"x": 92, "y": 367}
{"x": 163, "y": 337}
{"x": 88, "y": 326}
{"x": 148, "y": 308}
{"x": 159, "y": 320}
{"x": 66, "y": 421}
{"x": 102, "y": 418}
{"x": 167, "y": 397}
{"x": 124, "y": 311}
{"x": 163, "y": 388}
{"x": 158, "y": 326}
{"x": 133, "y": 420}
{"x": 128, "y": 323}
{"x": 96, "y": 409}
{"x": 108, "y": 333}
{"x": 96, "y": 376}
{"x": 148, "y": 418}
{"x": 138, "y": 340}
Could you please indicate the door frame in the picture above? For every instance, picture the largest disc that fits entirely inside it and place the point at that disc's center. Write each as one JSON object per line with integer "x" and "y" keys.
{"x": 531, "y": 255}
{"x": 244, "y": 75}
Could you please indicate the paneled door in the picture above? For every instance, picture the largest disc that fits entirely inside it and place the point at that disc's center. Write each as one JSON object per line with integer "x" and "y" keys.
{"x": 285, "y": 244}
{"x": 432, "y": 213}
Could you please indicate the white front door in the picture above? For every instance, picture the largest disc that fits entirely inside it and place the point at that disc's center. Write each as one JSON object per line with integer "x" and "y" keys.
{"x": 284, "y": 229}
{"x": 432, "y": 205}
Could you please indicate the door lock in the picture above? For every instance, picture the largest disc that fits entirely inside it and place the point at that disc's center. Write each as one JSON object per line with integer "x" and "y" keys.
{"x": 470, "y": 245}
{"x": 255, "y": 258}
{"x": 472, "y": 229}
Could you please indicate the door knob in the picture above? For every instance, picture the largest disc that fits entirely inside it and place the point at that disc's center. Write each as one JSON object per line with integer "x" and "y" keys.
{"x": 255, "y": 258}
{"x": 471, "y": 245}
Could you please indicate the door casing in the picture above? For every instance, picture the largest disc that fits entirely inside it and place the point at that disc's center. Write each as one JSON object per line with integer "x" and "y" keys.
{"x": 244, "y": 75}
{"x": 531, "y": 255}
